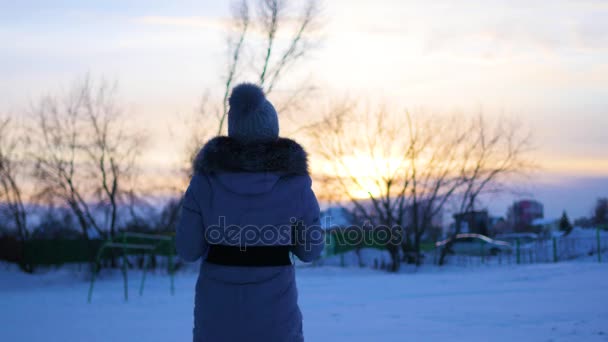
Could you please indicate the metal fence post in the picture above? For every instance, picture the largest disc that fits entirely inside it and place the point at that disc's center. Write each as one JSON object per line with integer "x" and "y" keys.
{"x": 171, "y": 273}
{"x": 143, "y": 277}
{"x": 518, "y": 251}
{"x": 554, "y": 249}
{"x": 124, "y": 267}
{"x": 599, "y": 245}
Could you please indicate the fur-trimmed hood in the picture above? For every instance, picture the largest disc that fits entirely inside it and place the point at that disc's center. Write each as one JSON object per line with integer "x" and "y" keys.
{"x": 225, "y": 154}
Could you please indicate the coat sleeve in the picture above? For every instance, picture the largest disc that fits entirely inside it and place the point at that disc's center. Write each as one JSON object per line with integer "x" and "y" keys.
{"x": 190, "y": 240}
{"x": 308, "y": 234}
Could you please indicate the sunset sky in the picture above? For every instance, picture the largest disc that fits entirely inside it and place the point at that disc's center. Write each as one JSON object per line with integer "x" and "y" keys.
{"x": 544, "y": 62}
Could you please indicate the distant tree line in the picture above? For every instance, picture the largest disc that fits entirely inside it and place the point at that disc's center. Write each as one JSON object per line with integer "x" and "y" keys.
{"x": 598, "y": 215}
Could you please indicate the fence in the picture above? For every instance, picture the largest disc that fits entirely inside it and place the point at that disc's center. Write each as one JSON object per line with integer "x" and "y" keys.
{"x": 542, "y": 251}
{"x": 127, "y": 243}
{"x": 592, "y": 243}
{"x": 340, "y": 251}
{"x": 33, "y": 253}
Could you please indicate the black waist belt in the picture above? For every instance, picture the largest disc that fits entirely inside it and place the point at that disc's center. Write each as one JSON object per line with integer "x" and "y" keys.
{"x": 250, "y": 256}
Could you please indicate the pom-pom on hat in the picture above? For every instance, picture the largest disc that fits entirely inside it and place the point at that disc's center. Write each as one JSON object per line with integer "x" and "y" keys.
{"x": 251, "y": 117}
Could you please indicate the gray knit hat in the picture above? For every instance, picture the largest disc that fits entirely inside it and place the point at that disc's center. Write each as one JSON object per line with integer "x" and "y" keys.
{"x": 251, "y": 117}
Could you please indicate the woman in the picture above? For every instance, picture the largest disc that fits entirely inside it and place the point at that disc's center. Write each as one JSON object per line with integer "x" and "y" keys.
{"x": 249, "y": 204}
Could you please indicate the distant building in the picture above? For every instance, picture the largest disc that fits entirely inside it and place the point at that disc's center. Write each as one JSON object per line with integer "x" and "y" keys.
{"x": 477, "y": 222}
{"x": 546, "y": 228}
{"x": 498, "y": 225}
{"x": 522, "y": 213}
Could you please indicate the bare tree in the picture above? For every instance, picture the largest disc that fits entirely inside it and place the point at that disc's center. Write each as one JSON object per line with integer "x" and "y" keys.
{"x": 262, "y": 28}
{"x": 434, "y": 151}
{"x": 58, "y": 156}
{"x": 600, "y": 212}
{"x": 272, "y": 17}
{"x": 240, "y": 21}
{"x": 111, "y": 148}
{"x": 366, "y": 164}
{"x": 12, "y": 165}
{"x": 403, "y": 170}
{"x": 493, "y": 154}
{"x": 84, "y": 154}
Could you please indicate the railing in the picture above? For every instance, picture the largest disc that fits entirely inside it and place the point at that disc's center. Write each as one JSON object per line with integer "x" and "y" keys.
{"x": 552, "y": 250}
{"x": 593, "y": 244}
{"x": 151, "y": 244}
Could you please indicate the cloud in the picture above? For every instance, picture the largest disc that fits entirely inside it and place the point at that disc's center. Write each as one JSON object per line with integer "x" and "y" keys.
{"x": 289, "y": 24}
{"x": 183, "y": 21}
{"x": 486, "y": 30}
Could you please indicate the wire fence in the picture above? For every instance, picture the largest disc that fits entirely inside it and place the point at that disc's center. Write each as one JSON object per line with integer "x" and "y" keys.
{"x": 552, "y": 250}
{"x": 593, "y": 245}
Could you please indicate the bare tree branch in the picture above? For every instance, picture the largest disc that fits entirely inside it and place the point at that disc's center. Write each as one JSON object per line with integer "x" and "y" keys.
{"x": 241, "y": 20}
{"x": 271, "y": 18}
{"x": 12, "y": 145}
{"x": 415, "y": 165}
{"x": 84, "y": 155}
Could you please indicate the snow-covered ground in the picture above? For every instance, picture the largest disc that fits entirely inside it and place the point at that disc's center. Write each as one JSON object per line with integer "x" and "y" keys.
{"x": 544, "y": 302}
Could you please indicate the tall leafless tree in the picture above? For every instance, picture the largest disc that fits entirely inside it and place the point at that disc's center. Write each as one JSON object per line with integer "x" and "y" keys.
{"x": 273, "y": 14}
{"x": 13, "y": 165}
{"x": 434, "y": 153}
{"x": 58, "y": 156}
{"x": 266, "y": 38}
{"x": 240, "y": 21}
{"x": 404, "y": 170}
{"x": 366, "y": 163}
{"x": 494, "y": 153}
{"x": 85, "y": 154}
{"x": 111, "y": 148}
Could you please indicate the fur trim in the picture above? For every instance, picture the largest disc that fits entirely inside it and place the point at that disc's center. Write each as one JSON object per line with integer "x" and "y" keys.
{"x": 229, "y": 155}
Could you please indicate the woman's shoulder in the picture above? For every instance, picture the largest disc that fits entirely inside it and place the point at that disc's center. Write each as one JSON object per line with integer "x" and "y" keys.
{"x": 224, "y": 154}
